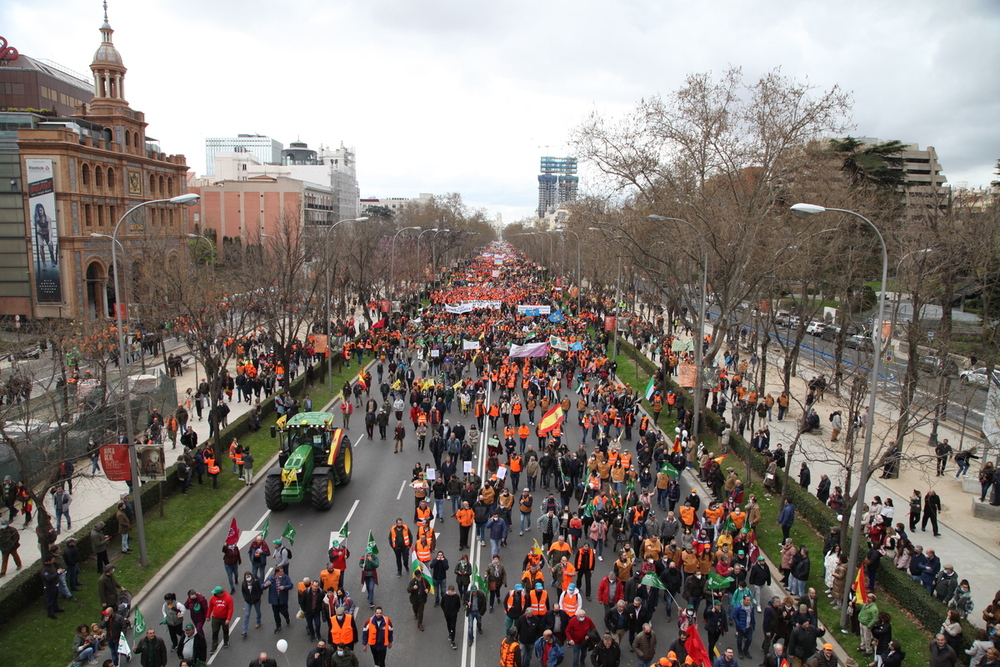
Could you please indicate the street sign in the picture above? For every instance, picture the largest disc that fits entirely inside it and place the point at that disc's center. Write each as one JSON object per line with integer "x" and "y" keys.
{"x": 930, "y": 335}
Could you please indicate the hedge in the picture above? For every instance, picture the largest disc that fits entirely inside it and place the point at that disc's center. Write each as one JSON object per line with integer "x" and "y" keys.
{"x": 26, "y": 586}
{"x": 910, "y": 596}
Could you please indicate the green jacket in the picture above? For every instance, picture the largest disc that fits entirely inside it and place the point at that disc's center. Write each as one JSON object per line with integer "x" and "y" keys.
{"x": 868, "y": 614}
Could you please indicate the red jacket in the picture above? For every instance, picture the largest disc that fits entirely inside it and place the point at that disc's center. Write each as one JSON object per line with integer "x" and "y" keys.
{"x": 577, "y": 630}
{"x": 604, "y": 590}
{"x": 221, "y": 606}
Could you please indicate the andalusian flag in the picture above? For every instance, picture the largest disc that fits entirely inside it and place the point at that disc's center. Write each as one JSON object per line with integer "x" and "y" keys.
{"x": 670, "y": 471}
{"x": 860, "y": 592}
{"x": 551, "y": 419}
{"x": 417, "y": 566}
{"x": 650, "y": 389}
{"x": 650, "y": 579}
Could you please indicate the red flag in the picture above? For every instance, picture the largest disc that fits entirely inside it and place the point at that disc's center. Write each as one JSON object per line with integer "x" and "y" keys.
{"x": 696, "y": 648}
{"x": 550, "y": 420}
{"x": 860, "y": 593}
{"x": 379, "y": 324}
{"x": 234, "y": 533}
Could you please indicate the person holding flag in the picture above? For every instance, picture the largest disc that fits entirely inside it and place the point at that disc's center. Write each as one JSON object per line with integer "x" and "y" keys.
{"x": 369, "y": 569}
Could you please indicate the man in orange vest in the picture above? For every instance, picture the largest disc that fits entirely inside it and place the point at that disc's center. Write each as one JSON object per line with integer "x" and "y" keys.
{"x": 400, "y": 540}
{"x": 378, "y": 636}
{"x": 343, "y": 629}
{"x": 212, "y": 466}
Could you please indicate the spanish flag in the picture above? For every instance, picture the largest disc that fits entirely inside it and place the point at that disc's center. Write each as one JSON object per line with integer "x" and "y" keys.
{"x": 718, "y": 459}
{"x": 361, "y": 380}
{"x": 550, "y": 420}
{"x": 860, "y": 593}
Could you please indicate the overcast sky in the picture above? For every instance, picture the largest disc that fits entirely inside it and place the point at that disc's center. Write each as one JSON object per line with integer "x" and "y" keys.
{"x": 463, "y": 96}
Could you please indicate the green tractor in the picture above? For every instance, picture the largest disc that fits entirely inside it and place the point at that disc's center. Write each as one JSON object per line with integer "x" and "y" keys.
{"x": 315, "y": 458}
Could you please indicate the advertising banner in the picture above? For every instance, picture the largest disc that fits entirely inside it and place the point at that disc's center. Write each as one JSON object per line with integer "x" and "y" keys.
{"x": 44, "y": 230}
{"x": 152, "y": 465}
{"x": 115, "y": 463}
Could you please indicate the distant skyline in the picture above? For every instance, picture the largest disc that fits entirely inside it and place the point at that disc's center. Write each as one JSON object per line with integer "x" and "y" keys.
{"x": 449, "y": 96}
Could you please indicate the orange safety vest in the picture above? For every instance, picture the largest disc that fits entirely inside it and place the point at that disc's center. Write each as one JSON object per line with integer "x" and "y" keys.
{"x": 372, "y": 631}
{"x": 687, "y": 515}
{"x": 626, "y": 460}
{"x": 570, "y": 603}
{"x": 523, "y": 432}
{"x": 509, "y": 652}
{"x": 341, "y": 633}
{"x": 515, "y": 463}
{"x": 213, "y": 469}
{"x": 516, "y": 408}
{"x": 422, "y": 419}
{"x": 423, "y": 549}
{"x": 239, "y": 458}
{"x": 539, "y": 602}
{"x": 423, "y": 513}
{"x": 399, "y": 536}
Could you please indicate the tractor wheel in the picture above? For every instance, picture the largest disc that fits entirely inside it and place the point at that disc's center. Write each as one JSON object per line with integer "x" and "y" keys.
{"x": 272, "y": 493}
{"x": 345, "y": 463}
{"x": 321, "y": 491}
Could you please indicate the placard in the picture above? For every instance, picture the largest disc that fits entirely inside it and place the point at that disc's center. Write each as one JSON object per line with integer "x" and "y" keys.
{"x": 430, "y": 474}
{"x": 466, "y": 467}
{"x": 115, "y": 463}
{"x": 151, "y": 463}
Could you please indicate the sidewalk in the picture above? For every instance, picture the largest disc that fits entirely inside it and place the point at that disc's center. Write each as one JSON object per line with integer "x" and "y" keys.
{"x": 968, "y": 543}
{"x": 93, "y": 495}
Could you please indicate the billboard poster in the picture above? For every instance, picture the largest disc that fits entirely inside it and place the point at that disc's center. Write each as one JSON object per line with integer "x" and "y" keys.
{"x": 115, "y": 463}
{"x": 44, "y": 230}
{"x": 152, "y": 464}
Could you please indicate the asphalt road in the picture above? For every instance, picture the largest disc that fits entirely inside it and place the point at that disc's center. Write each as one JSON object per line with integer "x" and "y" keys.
{"x": 378, "y": 493}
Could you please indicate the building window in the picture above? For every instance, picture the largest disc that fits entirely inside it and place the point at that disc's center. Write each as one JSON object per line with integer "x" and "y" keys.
{"x": 170, "y": 186}
{"x": 152, "y": 185}
{"x": 88, "y": 215}
{"x": 111, "y": 179}
{"x": 98, "y": 177}
{"x": 100, "y": 215}
{"x": 161, "y": 186}
{"x": 85, "y": 175}
{"x": 128, "y": 139}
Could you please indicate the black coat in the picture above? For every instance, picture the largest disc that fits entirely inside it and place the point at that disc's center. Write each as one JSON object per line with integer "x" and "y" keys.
{"x": 200, "y": 646}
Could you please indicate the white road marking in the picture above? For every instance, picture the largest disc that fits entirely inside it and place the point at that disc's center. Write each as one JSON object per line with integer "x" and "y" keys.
{"x": 232, "y": 625}
{"x": 248, "y": 535}
{"x": 469, "y": 651}
{"x": 402, "y": 485}
{"x": 334, "y": 533}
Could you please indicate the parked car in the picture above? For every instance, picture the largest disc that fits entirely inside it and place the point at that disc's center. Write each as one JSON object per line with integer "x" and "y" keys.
{"x": 829, "y": 333}
{"x": 977, "y": 377}
{"x": 939, "y": 365}
{"x": 860, "y": 342}
{"x": 815, "y": 328}
{"x": 33, "y": 352}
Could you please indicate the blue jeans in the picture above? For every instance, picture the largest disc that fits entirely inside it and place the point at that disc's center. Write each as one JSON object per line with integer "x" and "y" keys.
{"x": 370, "y": 587}
{"x": 439, "y": 589}
{"x": 475, "y": 620}
{"x": 494, "y": 547}
{"x": 963, "y": 468}
{"x": 314, "y": 626}
{"x": 124, "y": 541}
{"x": 481, "y": 532}
{"x": 258, "y": 570}
{"x": 63, "y": 513}
{"x": 456, "y": 504}
{"x": 233, "y": 576}
{"x": 439, "y": 508}
{"x": 598, "y": 547}
{"x": 246, "y": 613}
{"x": 743, "y": 641}
{"x": 577, "y": 652}
{"x": 86, "y": 654}
{"x": 525, "y": 522}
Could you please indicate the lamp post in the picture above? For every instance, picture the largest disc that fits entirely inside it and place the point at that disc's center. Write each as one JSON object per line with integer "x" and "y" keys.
{"x": 392, "y": 267}
{"x": 434, "y": 229}
{"x": 702, "y": 308}
{"x": 326, "y": 270}
{"x": 186, "y": 199}
{"x": 804, "y": 211}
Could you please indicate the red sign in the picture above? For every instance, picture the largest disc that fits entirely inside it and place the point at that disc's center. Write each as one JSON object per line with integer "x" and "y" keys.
{"x": 385, "y": 305}
{"x": 558, "y": 282}
{"x": 609, "y": 322}
{"x": 115, "y": 462}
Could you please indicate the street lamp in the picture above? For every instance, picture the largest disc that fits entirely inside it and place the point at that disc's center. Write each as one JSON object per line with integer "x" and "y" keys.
{"x": 804, "y": 211}
{"x": 326, "y": 270}
{"x": 185, "y": 199}
{"x": 392, "y": 266}
{"x": 579, "y": 277}
{"x": 702, "y": 308}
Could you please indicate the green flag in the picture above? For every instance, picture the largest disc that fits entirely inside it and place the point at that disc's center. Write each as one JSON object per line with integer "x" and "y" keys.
{"x": 729, "y": 525}
{"x": 139, "y": 628}
{"x": 650, "y": 388}
{"x": 477, "y": 579}
{"x": 717, "y": 582}
{"x": 342, "y": 535}
{"x": 670, "y": 471}
{"x": 289, "y": 534}
{"x": 264, "y": 528}
{"x": 372, "y": 545}
{"x": 652, "y": 580}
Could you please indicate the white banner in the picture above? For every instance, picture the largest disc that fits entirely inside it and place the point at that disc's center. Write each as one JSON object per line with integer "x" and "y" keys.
{"x": 534, "y": 310}
{"x": 469, "y": 306}
{"x": 470, "y": 344}
{"x": 558, "y": 343}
